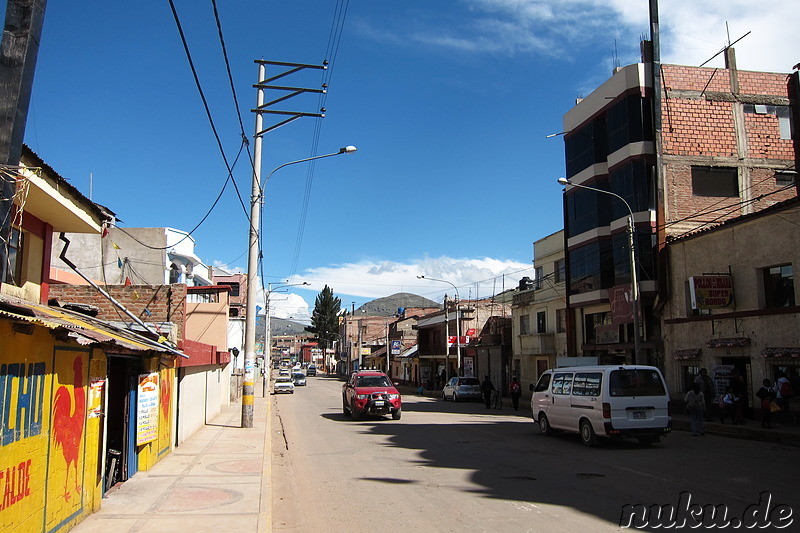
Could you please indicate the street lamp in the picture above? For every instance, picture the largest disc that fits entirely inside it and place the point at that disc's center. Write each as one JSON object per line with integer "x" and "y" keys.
{"x": 256, "y": 196}
{"x": 632, "y": 249}
{"x": 447, "y": 321}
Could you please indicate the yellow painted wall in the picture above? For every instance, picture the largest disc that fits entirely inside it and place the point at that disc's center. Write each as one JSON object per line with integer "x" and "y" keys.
{"x": 50, "y": 476}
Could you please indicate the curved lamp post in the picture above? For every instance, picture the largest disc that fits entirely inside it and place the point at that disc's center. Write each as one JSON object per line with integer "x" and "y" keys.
{"x": 268, "y": 295}
{"x": 447, "y": 321}
{"x": 632, "y": 250}
{"x": 256, "y": 196}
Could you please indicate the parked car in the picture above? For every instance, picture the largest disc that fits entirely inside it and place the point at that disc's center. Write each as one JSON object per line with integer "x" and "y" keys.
{"x": 370, "y": 392}
{"x": 461, "y": 388}
{"x": 603, "y": 401}
{"x": 283, "y": 372}
{"x": 311, "y": 370}
{"x": 299, "y": 379}
{"x": 283, "y": 384}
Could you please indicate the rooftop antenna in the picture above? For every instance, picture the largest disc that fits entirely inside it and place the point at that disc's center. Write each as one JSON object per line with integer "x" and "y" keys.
{"x": 726, "y": 46}
{"x": 615, "y": 56}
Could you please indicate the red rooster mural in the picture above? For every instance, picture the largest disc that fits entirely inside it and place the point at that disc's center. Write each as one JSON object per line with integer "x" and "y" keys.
{"x": 69, "y": 416}
{"x": 166, "y": 391}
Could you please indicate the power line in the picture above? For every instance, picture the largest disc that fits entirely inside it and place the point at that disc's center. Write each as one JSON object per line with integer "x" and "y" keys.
{"x": 207, "y": 109}
{"x": 208, "y": 213}
{"x": 332, "y": 52}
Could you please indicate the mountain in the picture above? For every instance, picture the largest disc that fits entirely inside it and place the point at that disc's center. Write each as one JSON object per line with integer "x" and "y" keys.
{"x": 279, "y": 326}
{"x": 389, "y": 305}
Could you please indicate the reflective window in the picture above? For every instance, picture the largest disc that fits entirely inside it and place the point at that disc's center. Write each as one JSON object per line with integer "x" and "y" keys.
{"x": 562, "y": 383}
{"x": 587, "y": 384}
{"x": 779, "y": 286}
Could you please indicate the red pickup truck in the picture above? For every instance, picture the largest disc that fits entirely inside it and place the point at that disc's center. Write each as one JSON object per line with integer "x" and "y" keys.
{"x": 370, "y": 392}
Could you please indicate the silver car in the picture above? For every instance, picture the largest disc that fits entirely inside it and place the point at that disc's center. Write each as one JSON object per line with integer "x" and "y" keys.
{"x": 461, "y": 388}
{"x": 299, "y": 379}
{"x": 283, "y": 384}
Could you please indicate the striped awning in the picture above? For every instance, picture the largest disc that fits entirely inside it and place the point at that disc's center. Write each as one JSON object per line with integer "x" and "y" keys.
{"x": 730, "y": 342}
{"x": 780, "y": 353}
{"x": 688, "y": 353}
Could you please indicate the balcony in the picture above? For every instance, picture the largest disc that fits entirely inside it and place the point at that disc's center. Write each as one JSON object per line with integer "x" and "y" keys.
{"x": 538, "y": 343}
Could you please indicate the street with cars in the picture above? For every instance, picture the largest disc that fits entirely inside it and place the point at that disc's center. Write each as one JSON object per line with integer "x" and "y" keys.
{"x": 457, "y": 466}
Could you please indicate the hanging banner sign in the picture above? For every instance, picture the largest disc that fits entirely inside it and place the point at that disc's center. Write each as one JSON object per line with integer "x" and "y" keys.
{"x": 147, "y": 408}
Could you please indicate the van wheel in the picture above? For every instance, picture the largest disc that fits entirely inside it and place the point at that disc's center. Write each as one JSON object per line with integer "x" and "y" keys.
{"x": 588, "y": 436}
{"x": 544, "y": 425}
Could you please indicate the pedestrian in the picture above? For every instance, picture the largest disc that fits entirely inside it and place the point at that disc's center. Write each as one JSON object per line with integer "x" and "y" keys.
{"x": 695, "y": 407}
{"x": 707, "y": 388}
{"x": 443, "y": 377}
{"x": 487, "y": 387}
{"x": 784, "y": 391}
{"x": 727, "y": 408}
{"x": 516, "y": 391}
{"x": 766, "y": 394}
{"x": 739, "y": 389}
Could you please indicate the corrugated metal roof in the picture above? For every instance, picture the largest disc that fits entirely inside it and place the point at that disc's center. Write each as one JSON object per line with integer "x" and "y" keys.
{"x": 85, "y": 330}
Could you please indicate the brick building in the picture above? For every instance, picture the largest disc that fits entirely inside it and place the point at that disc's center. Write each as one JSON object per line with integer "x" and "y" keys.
{"x": 718, "y": 144}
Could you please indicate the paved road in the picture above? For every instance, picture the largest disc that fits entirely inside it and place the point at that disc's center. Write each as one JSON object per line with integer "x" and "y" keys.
{"x": 458, "y": 467}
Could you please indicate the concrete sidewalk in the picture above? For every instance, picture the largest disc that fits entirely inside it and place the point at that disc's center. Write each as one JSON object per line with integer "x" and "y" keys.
{"x": 219, "y": 479}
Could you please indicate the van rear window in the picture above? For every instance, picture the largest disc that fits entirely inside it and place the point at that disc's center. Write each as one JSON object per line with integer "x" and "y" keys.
{"x": 636, "y": 383}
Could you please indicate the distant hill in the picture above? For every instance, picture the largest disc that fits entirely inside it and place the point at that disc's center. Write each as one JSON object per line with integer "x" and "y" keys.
{"x": 280, "y": 326}
{"x": 388, "y": 305}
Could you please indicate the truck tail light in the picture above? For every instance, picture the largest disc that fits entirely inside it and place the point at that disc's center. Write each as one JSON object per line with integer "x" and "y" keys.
{"x": 606, "y": 410}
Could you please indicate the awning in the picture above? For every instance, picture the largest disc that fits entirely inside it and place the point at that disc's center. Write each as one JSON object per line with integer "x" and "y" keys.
{"x": 83, "y": 329}
{"x": 778, "y": 353}
{"x": 688, "y": 353}
{"x": 408, "y": 354}
{"x": 731, "y": 342}
{"x": 380, "y": 352}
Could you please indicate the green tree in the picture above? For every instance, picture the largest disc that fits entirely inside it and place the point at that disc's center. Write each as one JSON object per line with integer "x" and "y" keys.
{"x": 325, "y": 318}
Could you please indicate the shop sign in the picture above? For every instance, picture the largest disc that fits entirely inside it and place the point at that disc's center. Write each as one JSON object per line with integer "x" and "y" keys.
{"x": 147, "y": 409}
{"x": 711, "y": 292}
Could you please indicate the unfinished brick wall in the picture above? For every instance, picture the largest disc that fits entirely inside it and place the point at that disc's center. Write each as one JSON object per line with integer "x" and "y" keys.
{"x": 699, "y": 128}
{"x": 162, "y": 303}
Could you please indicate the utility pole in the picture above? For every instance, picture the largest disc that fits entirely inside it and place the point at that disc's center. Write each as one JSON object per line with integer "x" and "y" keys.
{"x": 446, "y": 338}
{"x": 19, "y": 49}
{"x": 360, "y": 340}
{"x": 248, "y": 395}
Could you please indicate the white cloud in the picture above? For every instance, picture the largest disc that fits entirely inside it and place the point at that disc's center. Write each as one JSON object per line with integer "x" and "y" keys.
{"x": 691, "y": 31}
{"x": 369, "y": 280}
{"x": 290, "y": 306}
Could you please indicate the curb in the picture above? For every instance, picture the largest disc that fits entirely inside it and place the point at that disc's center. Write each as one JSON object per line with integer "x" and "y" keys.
{"x": 742, "y": 432}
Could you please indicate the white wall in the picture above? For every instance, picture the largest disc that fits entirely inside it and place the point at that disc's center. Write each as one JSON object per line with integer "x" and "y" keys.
{"x": 200, "y": 397}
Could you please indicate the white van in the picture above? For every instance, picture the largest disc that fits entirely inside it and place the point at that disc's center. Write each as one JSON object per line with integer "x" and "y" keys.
{"x": 603, "y": 401}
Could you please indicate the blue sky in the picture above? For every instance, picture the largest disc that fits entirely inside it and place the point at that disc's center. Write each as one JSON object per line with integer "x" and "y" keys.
{"x": 448, "y": 102}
